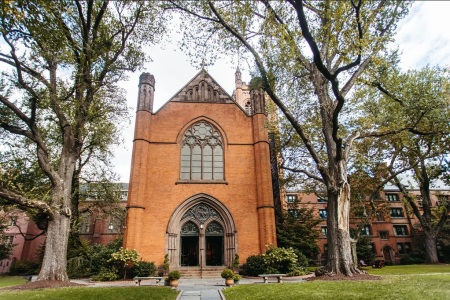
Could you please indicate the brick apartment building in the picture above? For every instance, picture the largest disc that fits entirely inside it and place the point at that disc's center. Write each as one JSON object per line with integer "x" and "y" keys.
{"x": 392, "y": 232}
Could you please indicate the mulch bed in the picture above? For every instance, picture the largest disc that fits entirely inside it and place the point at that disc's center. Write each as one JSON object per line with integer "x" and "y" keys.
{"x": 343, "y": 277}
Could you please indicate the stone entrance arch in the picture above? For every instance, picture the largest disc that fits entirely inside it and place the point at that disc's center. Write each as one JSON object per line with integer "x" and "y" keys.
{"x": 214, "y": 223}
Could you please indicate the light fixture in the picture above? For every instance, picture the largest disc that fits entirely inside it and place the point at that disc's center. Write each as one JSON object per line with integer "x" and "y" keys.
{"x": 201, "y": 226}
{"x": 110, "y": 226}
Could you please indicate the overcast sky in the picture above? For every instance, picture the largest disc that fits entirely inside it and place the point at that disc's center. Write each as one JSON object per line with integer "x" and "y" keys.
{"x": 422, "y": 38}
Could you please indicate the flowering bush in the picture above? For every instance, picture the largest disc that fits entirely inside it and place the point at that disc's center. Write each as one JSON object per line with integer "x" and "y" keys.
{"x": 280, "y": 260}
{"x": 126, "y": 257}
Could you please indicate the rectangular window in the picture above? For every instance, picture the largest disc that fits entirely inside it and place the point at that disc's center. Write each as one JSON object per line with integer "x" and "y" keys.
{"x": 85, "y": 226}
{"x": 322, "y": 198}
{"x": 400, "y": 230}
{"x": 325, "y": 249}
{"x": 384, "y": 235}
{"x": 397, "y": 212}
{"x": 293, "y": 212}
{"x": 115, "y": 225}
{"x": 392, "y": 197}
{"x": 359, "y": 212}
{"x": 324, "y": 230}
{"x": 323, "y": 213}
{"x": 291, "y": 198}
{"x": 404, "y": 248}
{"x": 365, "y": 230}
{"x": 380, "y": 217}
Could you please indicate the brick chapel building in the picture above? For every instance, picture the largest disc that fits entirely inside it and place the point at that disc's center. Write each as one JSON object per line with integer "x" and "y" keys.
{"x": 200, "y": 187}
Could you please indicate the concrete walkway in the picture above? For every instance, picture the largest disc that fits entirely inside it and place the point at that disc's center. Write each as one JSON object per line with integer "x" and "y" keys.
{"x": 191, "y": 288}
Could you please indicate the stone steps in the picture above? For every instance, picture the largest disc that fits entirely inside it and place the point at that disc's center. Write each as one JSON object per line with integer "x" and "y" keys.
{"x": 205, "y": 272}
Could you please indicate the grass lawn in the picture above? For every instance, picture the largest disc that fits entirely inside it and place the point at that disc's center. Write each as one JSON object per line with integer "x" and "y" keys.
{"x": 11, "y": 280}
{"x": 417, "y": 282}
{"x": 91, "y": 293}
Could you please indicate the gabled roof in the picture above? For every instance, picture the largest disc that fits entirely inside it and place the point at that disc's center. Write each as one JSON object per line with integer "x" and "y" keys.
{"x": 201, "y": 88}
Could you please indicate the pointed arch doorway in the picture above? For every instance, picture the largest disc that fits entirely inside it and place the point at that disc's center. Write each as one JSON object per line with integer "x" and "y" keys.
{"x": 201, "y": 232}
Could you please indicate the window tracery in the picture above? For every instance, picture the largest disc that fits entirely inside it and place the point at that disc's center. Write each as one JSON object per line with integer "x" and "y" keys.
{"x": 202, "y": 153}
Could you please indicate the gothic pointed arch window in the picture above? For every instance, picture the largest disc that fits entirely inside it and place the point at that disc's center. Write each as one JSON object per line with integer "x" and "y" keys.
{"x": 248, "y": 107}
{"x": 202, "y": 153}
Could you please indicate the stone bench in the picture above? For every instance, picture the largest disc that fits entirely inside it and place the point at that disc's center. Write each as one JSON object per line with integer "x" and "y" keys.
{"x": 139, "y": 279}
{"x": 278, "y": 276}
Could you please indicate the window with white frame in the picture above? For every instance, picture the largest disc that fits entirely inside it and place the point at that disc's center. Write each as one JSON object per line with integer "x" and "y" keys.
{"x": 396, "y": 212}
{"x": 400, "y": 230}
{"x": 291, "y": 198}
{"x": 391, "y": 197}
{"x": 365, "y": 230}
{"x": 323, "y": 213}
{"x": 324, "y": 230}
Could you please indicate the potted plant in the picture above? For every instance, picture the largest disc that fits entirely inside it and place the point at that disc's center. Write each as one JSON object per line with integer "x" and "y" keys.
{"x": 228, "y": 275}
{"x": 236, "y": 278}
{"x": 173, "y": 278}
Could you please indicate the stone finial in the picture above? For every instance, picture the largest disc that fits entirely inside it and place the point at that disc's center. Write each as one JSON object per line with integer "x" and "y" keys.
{"x": 237, "y": 77}
{"x": 147, "y": 78}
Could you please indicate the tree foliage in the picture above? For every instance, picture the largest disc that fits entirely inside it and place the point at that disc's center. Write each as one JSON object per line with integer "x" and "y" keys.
{"x": 5, "y": 246}
{"x": 296, "y": 228}
{"x": 309, "y": 55}
{"x": 61, "y": 61}
{"x": 416, "y": 106}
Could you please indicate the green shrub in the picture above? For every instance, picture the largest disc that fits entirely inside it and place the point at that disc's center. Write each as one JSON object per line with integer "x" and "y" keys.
{"x": 227, "y": 274}
{"x": 302, "y": 260}
{"x": 106, "y": 275}
{"x": 24, "y": 267}
{"x": 101, "y": 255}
{"x": 254, "y": 265}
{"x": 236, "y": 261}
{"x": 280, "y": 260}
{"x": 413, "y": 258}
{"x": 174, "y": 275}
{"x": 78, "y": 267}
{"x": 144, "y": 268}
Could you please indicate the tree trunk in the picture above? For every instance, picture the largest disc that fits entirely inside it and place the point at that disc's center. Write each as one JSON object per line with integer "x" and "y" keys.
{"x": 54, "y": 265}
{"x": 340, "y": 258}
{"x": 431, "y": 255}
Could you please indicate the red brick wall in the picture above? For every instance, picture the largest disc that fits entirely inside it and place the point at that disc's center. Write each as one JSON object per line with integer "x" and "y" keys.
{"x": 156, "y": 170}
